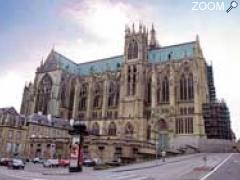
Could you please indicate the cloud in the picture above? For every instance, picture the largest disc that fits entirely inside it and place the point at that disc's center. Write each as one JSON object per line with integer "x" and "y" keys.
{"x": 102, "y": 24}
{"x": 11, "y": 89}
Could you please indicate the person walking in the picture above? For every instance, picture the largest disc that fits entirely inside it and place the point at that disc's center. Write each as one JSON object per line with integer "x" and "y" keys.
{"x": 163, "y": 153}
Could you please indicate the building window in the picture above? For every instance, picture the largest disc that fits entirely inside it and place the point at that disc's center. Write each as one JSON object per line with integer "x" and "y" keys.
{"x": 133, "y": 50}
{"x": 129, "y": 130}
{"x": 112, "y": 129}
{"x": 72, "y": 95}
{"x": 149, "y": 91}
{"x": 95, "y": 129}
{"x": 165, "y": 90}
{"x": 63, "y": 95}
{"x": 132, "y": 80}
{"x": 98, "y": 95}
{"x": 186, "y": 87}
{"x": 190, "y": 87}
{"x": 43, "y": 94}
{"x": 149, "y": 132}
{"x": 184, "y": 125}
{"x": 83, "y": 97}
{"x": 113, "y": 94}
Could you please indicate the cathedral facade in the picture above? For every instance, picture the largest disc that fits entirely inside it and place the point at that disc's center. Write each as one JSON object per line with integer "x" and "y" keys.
{"x": 150, "y": 95}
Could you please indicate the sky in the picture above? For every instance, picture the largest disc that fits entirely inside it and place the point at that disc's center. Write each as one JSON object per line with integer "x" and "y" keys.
{"x": 84, "y": 30}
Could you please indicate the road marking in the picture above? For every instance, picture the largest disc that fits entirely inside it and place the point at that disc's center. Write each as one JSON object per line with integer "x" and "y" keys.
{"x": 216, "y": 168}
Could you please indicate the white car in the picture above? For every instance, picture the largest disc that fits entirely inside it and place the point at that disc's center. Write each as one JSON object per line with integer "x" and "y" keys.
{"x": 37, "y": 160}
{"x": 51, "y": 163}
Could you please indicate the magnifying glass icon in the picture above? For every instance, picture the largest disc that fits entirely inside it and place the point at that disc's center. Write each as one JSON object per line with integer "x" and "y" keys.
{"x": 233, "y": 4}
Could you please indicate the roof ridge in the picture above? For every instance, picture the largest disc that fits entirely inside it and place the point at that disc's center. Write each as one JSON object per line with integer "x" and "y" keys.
{"x": 102, "y": 59}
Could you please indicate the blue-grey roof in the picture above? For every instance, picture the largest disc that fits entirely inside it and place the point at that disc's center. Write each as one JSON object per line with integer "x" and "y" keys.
{"x": 162, "y": 54}
{"x": 176, "y": 52}
{"x": 102, "y": 65}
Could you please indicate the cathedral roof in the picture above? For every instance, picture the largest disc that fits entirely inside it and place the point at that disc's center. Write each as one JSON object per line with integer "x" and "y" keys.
{"x": 157, "y": 55}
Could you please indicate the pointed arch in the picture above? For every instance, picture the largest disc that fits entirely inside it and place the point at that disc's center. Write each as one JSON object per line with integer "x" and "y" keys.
{"x": 186, "y": 87}
{"x": 95, "y": 129}
{"x": 133, "y": 50}
{"x": 83, "y": 95}
{"x": 129, "y": 129}
{"x": 130, "y": 49}
{"x": 44, "y": 94}
{"x": 149, "y": 132}
{"x": 183, "y": 87}
{"x": 98, "y": 95}
{"x": 165, "y": 90}
{"x": 190, "y": 87}
{"x": 112, "y": 129}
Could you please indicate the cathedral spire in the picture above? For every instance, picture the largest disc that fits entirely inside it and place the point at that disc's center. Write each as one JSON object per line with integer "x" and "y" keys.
{"x": 153, "y": 41}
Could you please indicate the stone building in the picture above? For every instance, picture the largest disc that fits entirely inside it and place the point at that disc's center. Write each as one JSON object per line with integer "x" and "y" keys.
{"x": 47, "y": 137}
{"x": 150, "y": 94}
{"x": 12, "y": 133}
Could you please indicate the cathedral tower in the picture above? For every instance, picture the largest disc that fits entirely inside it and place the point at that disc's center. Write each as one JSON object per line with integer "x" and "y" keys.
{"x": 135, "y": 59}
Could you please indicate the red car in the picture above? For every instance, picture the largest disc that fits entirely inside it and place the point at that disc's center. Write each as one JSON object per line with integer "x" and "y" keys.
{"x": 4, "y": 161}
{"x": 64, "y": 162}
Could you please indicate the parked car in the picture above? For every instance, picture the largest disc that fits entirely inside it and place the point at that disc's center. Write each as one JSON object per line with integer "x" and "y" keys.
{"x": 16, "y": 164}
{"x": 64, "y": 162}
{"x": 89, "y": 162}
{"x": 37, "y": 160}
{"x": 4, "y": 161}
{"x": 51, "y": 163}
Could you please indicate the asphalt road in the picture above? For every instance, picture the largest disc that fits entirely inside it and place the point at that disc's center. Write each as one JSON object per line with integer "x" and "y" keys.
{"x": 227, "y": 170}
{"x": 227, "y": 167}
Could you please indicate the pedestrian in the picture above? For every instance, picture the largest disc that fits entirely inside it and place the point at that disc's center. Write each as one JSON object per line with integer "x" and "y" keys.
{"x": 163, "y": 153}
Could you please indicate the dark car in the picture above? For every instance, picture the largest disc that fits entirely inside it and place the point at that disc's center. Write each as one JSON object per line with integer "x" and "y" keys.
{"x": 16, "y": 164}
{"x": 89, "y": 162}
{"x": 4, "y": 161}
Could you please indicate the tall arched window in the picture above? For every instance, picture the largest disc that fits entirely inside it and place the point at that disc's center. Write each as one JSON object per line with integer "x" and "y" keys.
{"x": 112, "y": 129}
{"x": 95, "y": 129}
{"x": 148, "y": 132}
{"x": 186, "y": 87}
{"x": 44, "y": 94}
{"x": 83, "y": 97}
{"x": 63, "y": 95}
{"x": 165, "y": 90}
{"x": 129, "y": 130}
{"x": 72, "y": 95}
{"x": 98, "y": 95}
{"x": 149, "y": 91}
{"x": 190, "y": 87}
{"x": 133, "y": 50}
{"x": 130, "y": 48}
{"x": 183, "y": 88}
{"x": 111, "y": 95}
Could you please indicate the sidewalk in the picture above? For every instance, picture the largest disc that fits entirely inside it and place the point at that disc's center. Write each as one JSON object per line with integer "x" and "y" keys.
{"x": 155, "y": 163}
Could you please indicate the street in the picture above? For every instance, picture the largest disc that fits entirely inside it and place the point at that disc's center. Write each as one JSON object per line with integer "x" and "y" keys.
{"x": 224, "y": 166}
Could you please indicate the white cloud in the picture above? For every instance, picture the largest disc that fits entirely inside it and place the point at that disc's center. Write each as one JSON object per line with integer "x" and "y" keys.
{"x": 11, "y": 89}
{"x": 102, "y": 24}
